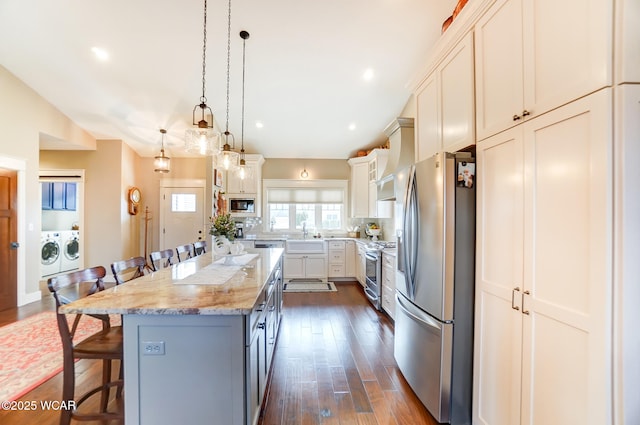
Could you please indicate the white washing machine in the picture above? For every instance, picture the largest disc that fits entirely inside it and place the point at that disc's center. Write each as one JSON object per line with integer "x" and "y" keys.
{"x": 50, "y": 253}
{"x": 70, "y": 245}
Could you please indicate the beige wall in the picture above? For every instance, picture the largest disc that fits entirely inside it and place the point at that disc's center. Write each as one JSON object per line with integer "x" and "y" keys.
{"x": 149, "y": 184}
{"x": 332, "y": 169}
{"x": 104, "y": 203}
{"x": 111, "y": 232}
{"x": 24, "y": 118}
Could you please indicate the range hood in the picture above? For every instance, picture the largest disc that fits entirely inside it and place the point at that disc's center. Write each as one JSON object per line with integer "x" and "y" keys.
{"x": 401, "y": 154}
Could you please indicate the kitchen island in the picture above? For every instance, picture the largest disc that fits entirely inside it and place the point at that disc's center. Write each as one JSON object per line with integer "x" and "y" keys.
{"x": 198, "y": 338}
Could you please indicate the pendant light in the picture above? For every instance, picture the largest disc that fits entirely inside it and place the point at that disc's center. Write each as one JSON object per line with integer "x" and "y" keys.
{"x": 227, "y": 157}
{"x": 243, "y": 170}
{"x": 203, "y": 139}
{"x": 162, "y": 163}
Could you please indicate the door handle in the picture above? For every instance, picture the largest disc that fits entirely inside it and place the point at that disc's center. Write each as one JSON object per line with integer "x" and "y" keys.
{"x": 526, "y": 113}
{"x": 14, "y": 245}
{"x": 523, "y": 309}
{"x": 516, "y": 117}
{"x": 513, "y": 293}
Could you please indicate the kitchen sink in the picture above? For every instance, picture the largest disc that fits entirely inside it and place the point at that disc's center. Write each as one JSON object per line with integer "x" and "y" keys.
{"x": 305, "y": 246}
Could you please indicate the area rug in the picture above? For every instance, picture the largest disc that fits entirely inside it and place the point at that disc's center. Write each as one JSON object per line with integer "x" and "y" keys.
{"x": 310, "y": 287}
{"x": 31, "y": 351}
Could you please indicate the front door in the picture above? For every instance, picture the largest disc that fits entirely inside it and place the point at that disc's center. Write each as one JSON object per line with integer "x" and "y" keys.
{"x": 8, "y": 238}
{"x": 182, "y": 220}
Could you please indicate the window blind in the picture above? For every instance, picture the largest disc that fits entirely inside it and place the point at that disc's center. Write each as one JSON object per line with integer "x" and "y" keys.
{"x": 292, "y": 195}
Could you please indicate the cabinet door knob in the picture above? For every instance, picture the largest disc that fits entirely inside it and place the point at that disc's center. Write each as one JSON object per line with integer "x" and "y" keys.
{"x": 516, "y": 117}
{"x": 526, "y": 113}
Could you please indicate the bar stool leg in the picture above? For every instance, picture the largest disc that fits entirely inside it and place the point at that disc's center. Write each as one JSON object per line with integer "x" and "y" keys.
{"x": 106, "y": 378}
{"x": 68, "y": 387}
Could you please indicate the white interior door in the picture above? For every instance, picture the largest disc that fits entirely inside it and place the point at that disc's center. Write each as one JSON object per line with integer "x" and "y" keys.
{"x": 182, "y": 218}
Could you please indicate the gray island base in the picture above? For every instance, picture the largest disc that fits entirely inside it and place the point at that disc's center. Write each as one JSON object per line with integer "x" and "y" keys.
{"x": 198, "y": 340}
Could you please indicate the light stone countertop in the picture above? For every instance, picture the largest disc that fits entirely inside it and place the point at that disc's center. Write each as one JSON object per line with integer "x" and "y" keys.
{"x": 192, "y": 287}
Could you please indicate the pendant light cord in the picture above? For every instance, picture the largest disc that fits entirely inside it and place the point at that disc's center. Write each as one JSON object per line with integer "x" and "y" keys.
{"x": 228, "y": 66}
{"x": 244, "y": 40}
{"x": 203, "y": 99}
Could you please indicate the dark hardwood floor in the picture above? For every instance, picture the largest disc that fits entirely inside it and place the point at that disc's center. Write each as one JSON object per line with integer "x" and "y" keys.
{"x": 333, "y": 364}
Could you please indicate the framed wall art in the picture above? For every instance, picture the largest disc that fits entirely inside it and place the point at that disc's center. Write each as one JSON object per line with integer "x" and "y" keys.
{"x": 218, "y": 178}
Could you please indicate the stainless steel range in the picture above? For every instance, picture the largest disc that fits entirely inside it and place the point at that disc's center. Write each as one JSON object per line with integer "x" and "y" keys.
{"x": 373, "y": 271}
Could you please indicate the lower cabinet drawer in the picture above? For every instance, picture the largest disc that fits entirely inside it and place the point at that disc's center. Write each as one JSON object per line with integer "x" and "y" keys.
{"x": 336, "y": 270}
{"x": 336, "y": 256}
{"x": 389, "y": 278}
{"x": 389, "y": 301}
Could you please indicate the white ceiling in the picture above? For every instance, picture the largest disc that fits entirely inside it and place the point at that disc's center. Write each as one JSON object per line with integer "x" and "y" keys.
{"x": 305, "y": 62}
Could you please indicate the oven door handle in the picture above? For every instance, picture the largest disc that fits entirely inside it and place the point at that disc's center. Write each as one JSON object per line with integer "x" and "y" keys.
{"x": 371, "y": 294}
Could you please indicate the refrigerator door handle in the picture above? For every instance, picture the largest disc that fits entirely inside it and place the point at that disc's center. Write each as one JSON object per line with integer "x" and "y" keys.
{"x": 424, "y": 319}
{"x": 408, "y": 235}
{"x": 411, "y": 234}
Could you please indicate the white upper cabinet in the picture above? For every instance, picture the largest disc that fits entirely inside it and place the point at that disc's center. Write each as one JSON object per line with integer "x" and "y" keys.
{"x": 627, "y": 44}
{"x": 359, "y": 187}
{"x": 428, "y": 131}
{"x": 252, "y": 183}
{"x": 499, "y": 94}
{"x": 445, "y": 104}
{"x": 457, "y": 103}
{"x": 365, "y": 172}
{"x": 536, "y": 55}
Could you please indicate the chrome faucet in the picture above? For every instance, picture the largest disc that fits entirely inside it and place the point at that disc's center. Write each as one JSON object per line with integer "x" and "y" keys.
{"x": 305, "y": 232}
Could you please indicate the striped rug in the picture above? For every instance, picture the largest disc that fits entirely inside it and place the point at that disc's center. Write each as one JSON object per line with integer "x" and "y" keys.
{"x": 309, "y": 287}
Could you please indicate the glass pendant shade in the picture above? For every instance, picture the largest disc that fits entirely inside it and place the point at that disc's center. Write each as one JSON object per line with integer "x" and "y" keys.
{"x": 243, "y": 172}
{"x": 228, "y": 158}
{"x": 162, "y": 163}
{"x": 202, "y": 141}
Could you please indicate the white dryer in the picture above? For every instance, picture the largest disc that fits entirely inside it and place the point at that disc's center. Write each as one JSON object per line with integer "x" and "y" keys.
{"x": 70, "y": 257}
{"x": 50, "y": 253}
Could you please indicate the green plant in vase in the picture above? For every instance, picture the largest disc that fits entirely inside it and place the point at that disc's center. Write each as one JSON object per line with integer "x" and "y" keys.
{"x": 223, "y": 225}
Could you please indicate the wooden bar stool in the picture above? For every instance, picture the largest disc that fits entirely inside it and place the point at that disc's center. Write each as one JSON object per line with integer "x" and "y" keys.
{"x": 105, "y": 345}
{"x": 187, "y": 250}
{"x": 126, "y": 270}
{"x": 161, "y": 259}
{"x": 200, "y": 247}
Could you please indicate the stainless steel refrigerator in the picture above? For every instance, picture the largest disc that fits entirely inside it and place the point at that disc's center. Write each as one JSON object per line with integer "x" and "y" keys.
{"x": 435, "y": 225}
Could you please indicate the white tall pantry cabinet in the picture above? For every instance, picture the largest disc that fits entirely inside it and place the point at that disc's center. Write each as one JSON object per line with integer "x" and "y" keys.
{"x": 557, "y": 236}
{"x": 543, "y": 279}
{"x": 557, "y": 134}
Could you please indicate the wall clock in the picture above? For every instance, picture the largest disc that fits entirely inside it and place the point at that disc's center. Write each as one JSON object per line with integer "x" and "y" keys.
{"x": 134, "y": 200}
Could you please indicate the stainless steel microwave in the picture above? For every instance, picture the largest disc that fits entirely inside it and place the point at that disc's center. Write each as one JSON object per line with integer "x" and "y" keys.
{"x": 242, "y": 205}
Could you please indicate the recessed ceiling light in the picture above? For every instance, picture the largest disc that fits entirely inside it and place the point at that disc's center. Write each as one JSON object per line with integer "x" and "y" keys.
{"x": 100, "y": 53}
{"x": 259, "y": 124}
{"x": 352, "y": 126}
{"x": 368, "y": 74}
